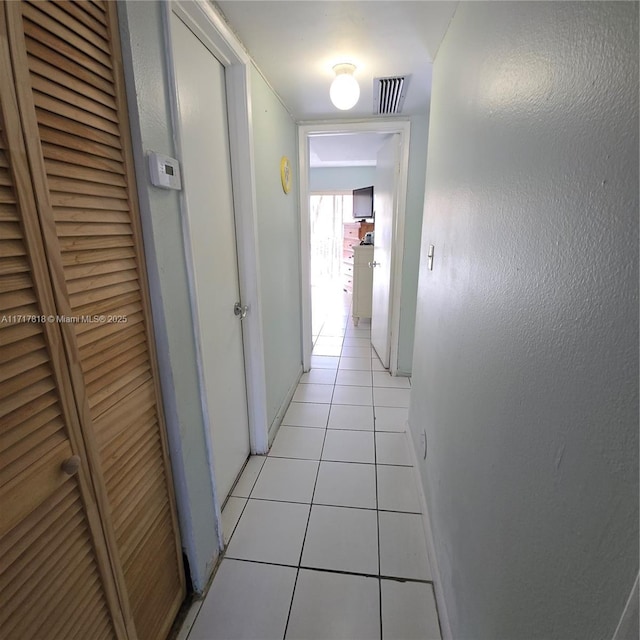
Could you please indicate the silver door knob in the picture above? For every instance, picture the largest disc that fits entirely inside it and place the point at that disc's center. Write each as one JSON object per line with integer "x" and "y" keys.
{"x": 373, "y": 264}
{"x": 240, "y": 310}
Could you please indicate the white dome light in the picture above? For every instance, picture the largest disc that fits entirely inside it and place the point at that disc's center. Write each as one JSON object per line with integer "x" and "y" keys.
{"x": 345, "y": 90}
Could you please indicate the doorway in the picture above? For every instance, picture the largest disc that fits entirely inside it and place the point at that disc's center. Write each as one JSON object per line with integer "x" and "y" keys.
{"x": 310, "y": 135}
{"x": 329, "y": 210}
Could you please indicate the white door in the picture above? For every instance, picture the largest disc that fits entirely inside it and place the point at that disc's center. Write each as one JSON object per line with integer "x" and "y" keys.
{"x": 206, "y": 172}
{"x": 385, "y": 187}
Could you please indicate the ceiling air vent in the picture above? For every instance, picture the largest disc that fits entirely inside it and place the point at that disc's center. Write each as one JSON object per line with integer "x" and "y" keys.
{"x": 388, "y": 94}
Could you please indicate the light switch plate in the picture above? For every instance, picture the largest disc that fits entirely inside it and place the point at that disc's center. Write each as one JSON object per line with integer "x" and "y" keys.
{"x": 430, "y": 257}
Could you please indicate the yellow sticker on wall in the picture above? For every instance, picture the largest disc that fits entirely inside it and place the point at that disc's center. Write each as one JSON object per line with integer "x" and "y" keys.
{"x": 285, "y": 174}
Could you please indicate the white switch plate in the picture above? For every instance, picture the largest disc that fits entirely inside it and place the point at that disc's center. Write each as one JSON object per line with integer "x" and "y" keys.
{"x": 164, "y": 171}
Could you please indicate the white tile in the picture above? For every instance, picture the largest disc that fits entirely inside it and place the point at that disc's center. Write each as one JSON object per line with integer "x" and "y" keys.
{"x": 358, "y": 418}
{"x": 355, "y": 364}
{"x": 397, "y": 489}
{"x": 306, "y": 414}
{"x": 298, "y": 442}
{"x": 286, "y": 479}
{"x": 364, "y": 324}
{"x": 376, "y": 365}
{"x": 403, "y": 549}
{"x": 349, "y": 446}
{"x": 230, "y": 516}
{"x": 326, "y": 350}
{"x": 356, "y": 352}
{"x": 248, "y": 477}
{"x": 409, "y": 611}
{"x": 332, "y": 606}
{"x": 240, "y": 587}
{"x": 391, "y": 418}
{"x": 391, "y": 397}
{"x": 362, "y": 331}
{"x": 320, "y": 393}
{"x": 357, "y": 342}
{"x": 334, "y": 341}
{"x": 392, "y": 448}
{"x": 319, "y": 376}
{"x": 384, "y": 379}
{"x": 341, "y": 539}
{"x": 354, "y": 378}
{"x": 333, "y": 329}
{"x": 270, "y": 532}
{"x": 324, "y": 362}
{"x": 346, "y": 484}
{"x": 352, "y": 395}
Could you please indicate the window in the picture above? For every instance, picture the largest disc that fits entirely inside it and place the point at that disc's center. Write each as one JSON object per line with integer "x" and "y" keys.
{"x": 328, "y": 211}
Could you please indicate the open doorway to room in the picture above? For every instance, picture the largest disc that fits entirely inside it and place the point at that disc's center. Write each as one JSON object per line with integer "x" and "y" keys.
{"x": 335, "y": 161}
{"x": 328, "y": 213}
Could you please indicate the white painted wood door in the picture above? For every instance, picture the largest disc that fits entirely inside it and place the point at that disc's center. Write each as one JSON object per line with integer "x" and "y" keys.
{"x": 210, "y": 225}
{"x": 385, "y": 189}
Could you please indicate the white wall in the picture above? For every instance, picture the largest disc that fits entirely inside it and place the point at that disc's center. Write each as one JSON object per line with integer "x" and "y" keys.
{"x": 142, "y": 36}
{"x": 340, "y": 178}
{"x": 526, "y": 355}
{"x": 274, "y": 136}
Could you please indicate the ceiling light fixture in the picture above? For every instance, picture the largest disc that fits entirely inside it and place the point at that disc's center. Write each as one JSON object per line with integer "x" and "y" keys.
{"x": 345, "y": 90}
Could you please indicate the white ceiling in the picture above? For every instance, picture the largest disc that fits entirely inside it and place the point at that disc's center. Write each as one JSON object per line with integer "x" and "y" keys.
{"x": 295, "y": 44}
{"x": 345, "y": 150}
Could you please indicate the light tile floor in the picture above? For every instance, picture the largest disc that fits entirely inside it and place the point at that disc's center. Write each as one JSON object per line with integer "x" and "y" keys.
{"x": 325, "y": 537}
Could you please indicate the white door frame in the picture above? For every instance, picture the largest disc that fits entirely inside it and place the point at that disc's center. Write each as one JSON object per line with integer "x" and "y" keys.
{"x": 309, "y": 130}
{"x": 202, "y": 19}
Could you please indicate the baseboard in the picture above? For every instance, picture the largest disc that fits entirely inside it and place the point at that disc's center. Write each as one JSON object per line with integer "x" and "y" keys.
{"x": 628, "y": 626}
{"x": 445, "y": 626}
{"x": 277, "y": 421}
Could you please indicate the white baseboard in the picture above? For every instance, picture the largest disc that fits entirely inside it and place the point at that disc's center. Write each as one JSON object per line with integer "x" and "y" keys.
{"x": 277, "y": 421}
{"x": 445, "y": 626}
{"x": 628, "y": 626}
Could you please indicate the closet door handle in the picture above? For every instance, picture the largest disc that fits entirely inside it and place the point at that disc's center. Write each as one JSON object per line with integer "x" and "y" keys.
{"x": 71, "y": 465}
{"x": 373, "y": 264}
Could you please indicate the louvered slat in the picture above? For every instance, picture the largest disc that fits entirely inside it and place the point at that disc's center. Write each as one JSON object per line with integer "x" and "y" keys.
{"x": 99, "y": 250}
{"x": 45, "y": 531}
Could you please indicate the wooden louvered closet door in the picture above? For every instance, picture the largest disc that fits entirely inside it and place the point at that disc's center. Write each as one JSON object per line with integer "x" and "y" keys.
{"x": 55, "y": 576}
{"x": 73, "y": 110}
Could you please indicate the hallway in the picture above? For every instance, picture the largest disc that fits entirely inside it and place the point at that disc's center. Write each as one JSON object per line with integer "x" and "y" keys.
{"x": 324, "y": 535}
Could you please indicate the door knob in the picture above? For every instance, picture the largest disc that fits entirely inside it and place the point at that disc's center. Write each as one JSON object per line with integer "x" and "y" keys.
{"x": 71, "y": 465}
{"x": 240, "y": 310}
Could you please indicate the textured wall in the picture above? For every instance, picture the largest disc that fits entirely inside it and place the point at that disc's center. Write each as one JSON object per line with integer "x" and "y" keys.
{"x": 274, "y": 136}
{"x": 526, "y": 356}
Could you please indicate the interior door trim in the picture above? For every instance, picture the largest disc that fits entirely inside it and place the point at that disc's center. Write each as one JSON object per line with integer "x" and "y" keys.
{"x": 310, "y": 129}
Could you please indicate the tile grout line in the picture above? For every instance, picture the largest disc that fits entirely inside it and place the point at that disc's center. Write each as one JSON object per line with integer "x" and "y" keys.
{"x": 335, "y": 506}
{"x": 304, "y": 537}
{"x": 375, "y": 457}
